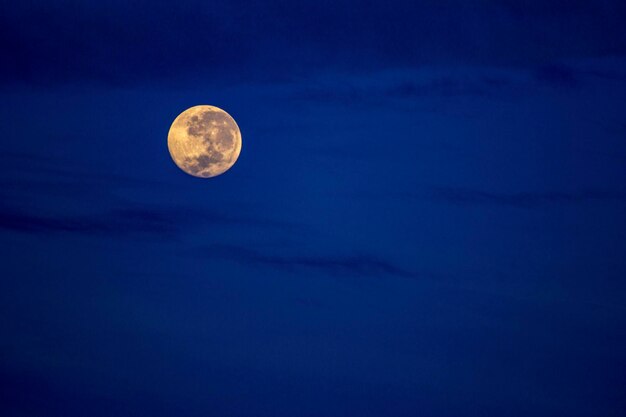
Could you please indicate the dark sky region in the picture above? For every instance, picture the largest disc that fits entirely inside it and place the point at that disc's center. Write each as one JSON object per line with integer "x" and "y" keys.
{"x": 428, "y": 216}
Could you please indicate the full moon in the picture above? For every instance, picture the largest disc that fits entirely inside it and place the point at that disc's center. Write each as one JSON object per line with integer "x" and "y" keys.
{"x": 204, "y": 141}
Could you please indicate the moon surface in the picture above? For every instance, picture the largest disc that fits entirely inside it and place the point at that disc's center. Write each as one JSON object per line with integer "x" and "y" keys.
{"x": 204, "y": 141}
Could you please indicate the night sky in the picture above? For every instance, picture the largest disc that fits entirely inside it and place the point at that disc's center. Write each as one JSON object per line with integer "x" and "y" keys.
{"x": 427, "y": 218}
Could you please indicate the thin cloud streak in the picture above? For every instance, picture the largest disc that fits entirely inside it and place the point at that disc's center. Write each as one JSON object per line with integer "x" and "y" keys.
{"x": 165, "y": 222}
{"x": 466, "y": 196}
{"x": 354, "y": 265}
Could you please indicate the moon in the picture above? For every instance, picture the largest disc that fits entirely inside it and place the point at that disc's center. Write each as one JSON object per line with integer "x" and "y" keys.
{"x": 204, "y": 141}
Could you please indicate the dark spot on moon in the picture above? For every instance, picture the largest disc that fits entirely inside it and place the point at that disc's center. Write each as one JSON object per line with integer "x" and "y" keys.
{"x": 225, "y": 140}
{"x": 200, "y": 125}
{"x": 202, "y": 163}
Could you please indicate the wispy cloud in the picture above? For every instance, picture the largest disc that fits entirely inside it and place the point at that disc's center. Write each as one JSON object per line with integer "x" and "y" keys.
{"x": 466, "y": 196}
{"x": 116, "y": 222}
{"x": 407, "y": 85}
{"x": 164, "y": 222}
{"x": 354, "y": 265}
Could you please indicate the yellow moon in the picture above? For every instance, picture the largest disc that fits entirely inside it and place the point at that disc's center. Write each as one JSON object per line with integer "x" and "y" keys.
{"x": 204, "y": 141}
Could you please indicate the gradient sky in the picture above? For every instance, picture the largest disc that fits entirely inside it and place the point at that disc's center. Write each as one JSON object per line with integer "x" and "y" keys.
{"x": 428, "y": 216}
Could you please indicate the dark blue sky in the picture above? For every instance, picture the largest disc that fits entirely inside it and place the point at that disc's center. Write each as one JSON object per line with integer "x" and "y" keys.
{"x": 428, "y": 216}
